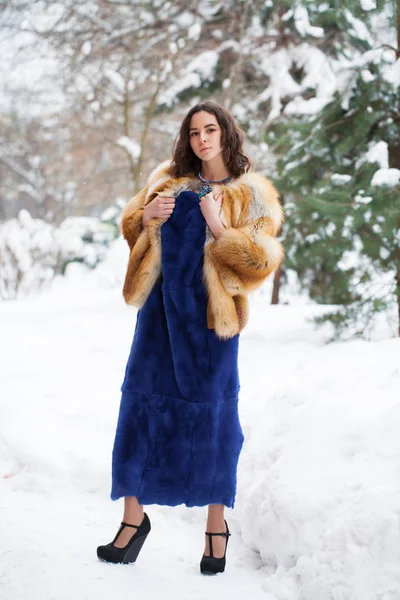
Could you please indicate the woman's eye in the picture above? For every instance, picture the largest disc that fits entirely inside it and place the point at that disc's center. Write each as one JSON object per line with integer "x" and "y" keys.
{"x": 208, "y": 131}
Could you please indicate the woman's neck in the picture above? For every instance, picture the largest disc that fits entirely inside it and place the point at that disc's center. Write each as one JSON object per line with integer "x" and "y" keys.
{"x": 214, "y": 170}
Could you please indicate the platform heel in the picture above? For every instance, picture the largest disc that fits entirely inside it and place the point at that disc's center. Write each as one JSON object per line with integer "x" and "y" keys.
{"x": 129, "y": 553}
{"x": 210, "y": 565}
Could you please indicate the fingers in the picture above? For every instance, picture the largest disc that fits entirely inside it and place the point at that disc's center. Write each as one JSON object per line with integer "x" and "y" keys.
{"x": 165, "y": 207}
{"x": 166, "y": 201}
{"x": 211, "y": 196}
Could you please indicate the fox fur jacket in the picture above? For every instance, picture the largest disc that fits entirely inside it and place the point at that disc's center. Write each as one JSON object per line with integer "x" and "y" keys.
{"x": 234, "y": 264}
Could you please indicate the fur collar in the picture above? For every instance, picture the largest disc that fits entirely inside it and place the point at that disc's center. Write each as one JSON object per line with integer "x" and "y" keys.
{"x": 264, "y": 202}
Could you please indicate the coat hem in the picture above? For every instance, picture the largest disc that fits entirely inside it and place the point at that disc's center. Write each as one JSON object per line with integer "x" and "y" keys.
{"x": 148, "y": 500}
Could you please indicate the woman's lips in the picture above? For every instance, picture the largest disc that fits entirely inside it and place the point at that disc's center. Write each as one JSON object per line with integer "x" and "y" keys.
{"x": 205, "y": 149}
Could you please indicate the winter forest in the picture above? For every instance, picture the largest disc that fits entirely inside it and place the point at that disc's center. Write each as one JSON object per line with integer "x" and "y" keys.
{"x": 92, "y": 94}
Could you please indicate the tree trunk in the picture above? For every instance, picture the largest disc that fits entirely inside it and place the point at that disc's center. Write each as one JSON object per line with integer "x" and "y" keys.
{"x": 278, "y": 273}
{"x": 277, "y": 286}
{"x": 394, "y": 159}
{"x": 143, "y": 140}
{"x": 230, "y": 96}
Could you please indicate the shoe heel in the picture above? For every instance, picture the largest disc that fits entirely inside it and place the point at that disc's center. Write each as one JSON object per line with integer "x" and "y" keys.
{"x": 134, "y": 549}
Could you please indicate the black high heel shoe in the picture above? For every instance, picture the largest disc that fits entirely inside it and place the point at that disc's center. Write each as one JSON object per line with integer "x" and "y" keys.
{"x": 210, "y": 565}
{"x": 130, "y": 552}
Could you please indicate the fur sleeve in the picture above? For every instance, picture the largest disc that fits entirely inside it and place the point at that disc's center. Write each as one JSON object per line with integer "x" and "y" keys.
{"x": 144, "y": 263}
{"x": 247, "y": 252}
{"x": 132, "y": 215}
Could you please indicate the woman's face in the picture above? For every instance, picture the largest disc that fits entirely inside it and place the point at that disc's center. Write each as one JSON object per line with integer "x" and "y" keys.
{"x": 205, "y": 135}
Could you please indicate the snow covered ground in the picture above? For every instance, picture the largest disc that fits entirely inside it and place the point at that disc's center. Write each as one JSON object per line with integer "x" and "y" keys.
{"x": 318, "y": 506}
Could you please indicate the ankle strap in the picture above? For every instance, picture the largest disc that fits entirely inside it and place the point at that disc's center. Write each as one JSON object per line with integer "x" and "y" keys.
{"x": 226, "y": 534}
{"x": 129, "y": 525}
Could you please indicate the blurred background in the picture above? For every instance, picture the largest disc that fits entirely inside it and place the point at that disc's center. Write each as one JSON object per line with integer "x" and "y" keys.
{"x": 92, "y": 94}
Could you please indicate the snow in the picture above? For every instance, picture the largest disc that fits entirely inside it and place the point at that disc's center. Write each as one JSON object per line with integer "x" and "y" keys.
{"x": 198, "y": 70}
{"x": 88, "y": 227}
{"x": 340, "y": 179}
{"x": 86, "y": 48}
{"x": 347, "y": 71}
{"x": 361, "y": 199}
{"x": 132, "y": 147}
{"x": 319, "y": 493}
{"x": 116, "y": 79}
{"x": 367, "y": 76}
{"x": 110, "y": 213}
{"x": 389, "y": 177}
{"x": 393, "y": 74}
{"x": 318, "y": 500}
{"x": 33, "y": 251}
{"x": 300, "y": 106}
{"x": 377, "y": 153}
{"x": 184, "y": 19}
{"x": 28, "y": 62}
{"x": 204, "y": 65}
{"x": 359, "y": 29}
{"x": 288, "y": 15}
{"x": 194, "y": 31}
{"x": 302, "y": 23}
{"x": 318, "y": 75}
{"x": 368, "y": 4}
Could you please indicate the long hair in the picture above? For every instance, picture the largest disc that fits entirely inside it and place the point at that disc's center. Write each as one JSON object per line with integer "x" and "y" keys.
{"x": 185, "y": 162}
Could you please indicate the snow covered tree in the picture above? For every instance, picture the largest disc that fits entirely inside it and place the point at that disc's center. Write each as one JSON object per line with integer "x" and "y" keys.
{"x": 113, "y": 61}
{"x": 313, "y": 87}
{"x": 340, "y": 175}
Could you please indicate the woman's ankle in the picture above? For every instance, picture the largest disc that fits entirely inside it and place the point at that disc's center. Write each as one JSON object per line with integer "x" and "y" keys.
{"x": 133, "y": 511}
{"x": 133, "y": 517}
{"x": 216, "y": 518}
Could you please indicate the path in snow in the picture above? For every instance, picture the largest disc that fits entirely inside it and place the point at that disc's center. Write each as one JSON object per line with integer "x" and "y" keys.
{"x": 61, "y": 365}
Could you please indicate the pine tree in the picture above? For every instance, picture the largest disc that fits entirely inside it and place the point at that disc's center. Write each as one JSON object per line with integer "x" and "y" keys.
{"x": 340, "y": 178}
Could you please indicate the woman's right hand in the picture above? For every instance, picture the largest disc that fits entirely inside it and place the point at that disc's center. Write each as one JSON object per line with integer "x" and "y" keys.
{"x": 160, "y": 207}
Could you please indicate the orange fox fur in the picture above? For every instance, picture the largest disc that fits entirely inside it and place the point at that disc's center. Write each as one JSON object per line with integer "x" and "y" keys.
{"x": 234, "y": 265}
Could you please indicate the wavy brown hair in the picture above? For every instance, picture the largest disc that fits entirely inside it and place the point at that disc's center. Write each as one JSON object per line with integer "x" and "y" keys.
{"x": 185, "y": 162}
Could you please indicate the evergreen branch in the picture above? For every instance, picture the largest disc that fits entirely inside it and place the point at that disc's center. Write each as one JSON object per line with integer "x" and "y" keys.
{"x": 389, "y": 47}
{"x": 345, "y": 120}
{"x": 318, "y": 200}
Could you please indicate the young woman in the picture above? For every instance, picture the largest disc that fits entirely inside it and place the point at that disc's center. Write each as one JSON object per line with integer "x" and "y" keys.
{"x": 201, "y": 237}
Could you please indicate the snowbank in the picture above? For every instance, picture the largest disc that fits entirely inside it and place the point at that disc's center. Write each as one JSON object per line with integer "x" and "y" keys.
{"x": 318, "y": 499}
{"x": 320, "y": 493}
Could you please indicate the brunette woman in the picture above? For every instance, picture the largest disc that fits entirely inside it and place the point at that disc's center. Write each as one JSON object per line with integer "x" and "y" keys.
{"x": 201, "y": 236}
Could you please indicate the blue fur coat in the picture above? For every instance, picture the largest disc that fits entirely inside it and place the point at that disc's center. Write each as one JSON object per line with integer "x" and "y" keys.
{"x": 178, "y": 437}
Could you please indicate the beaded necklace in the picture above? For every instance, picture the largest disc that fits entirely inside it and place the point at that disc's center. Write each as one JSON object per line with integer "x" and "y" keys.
{"x": 206, "y": 187}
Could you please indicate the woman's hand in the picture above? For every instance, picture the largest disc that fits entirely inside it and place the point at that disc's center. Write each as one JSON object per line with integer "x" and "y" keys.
{"x": 160, "y": 207}
{"x": 211, "y": 207}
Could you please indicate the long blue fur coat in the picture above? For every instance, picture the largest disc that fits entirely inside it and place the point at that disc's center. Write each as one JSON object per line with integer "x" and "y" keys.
{"x": 178, "y": 437}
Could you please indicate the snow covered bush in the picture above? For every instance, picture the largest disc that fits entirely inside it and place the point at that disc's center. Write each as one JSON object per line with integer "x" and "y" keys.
{"x": 32, "y": 251}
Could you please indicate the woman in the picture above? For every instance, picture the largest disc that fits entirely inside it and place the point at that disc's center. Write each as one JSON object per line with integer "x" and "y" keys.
{"x": 201, "y": 237}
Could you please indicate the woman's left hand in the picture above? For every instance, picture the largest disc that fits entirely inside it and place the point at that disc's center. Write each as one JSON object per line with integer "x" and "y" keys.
{"x": 210, "y": 206}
